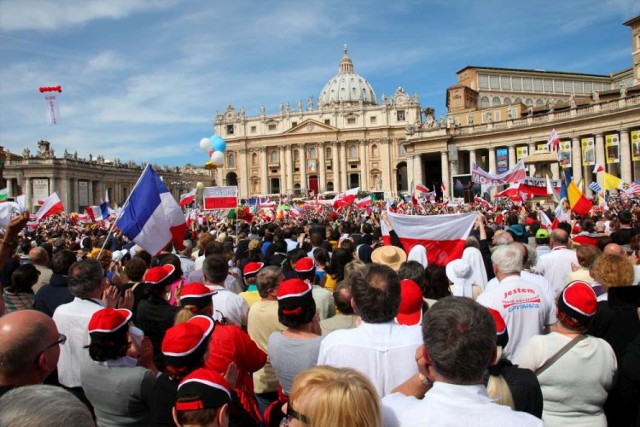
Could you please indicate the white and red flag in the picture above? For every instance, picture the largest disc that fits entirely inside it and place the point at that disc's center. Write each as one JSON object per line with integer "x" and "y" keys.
{"x": 598, "y": 168}
{"x": 51, "y": 205}
{"x": 188, "y": 198}
{"x": 422, "y": 189}
{"x": 345, "y": 199}
{"x": 220, "y": 197}
{"x": 363, "y": 203}
{"x": 553, "y": 143}
{"x": 443, "y": 236}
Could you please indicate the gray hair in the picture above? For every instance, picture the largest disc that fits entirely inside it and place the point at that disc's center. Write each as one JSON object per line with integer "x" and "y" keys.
{"x": 84, "y": 277}
{"x": 460, "y": 337}
{"x": 532, "y": 256}
{"x": 503, "y": 238}
{"x": 268, "y": 279}
{"x": 43, "y": 405}
{"x": 508, "y": 259}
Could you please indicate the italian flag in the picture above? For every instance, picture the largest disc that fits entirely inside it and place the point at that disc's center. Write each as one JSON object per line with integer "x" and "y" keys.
{"x": 4, "y": 193}
{"x": 444, "y": 236}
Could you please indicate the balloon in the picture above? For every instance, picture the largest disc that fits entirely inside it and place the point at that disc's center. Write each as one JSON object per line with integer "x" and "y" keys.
{"x": 210, "y": 153}
{"x": 218, "y": 143}
{"x": 205, "y": 144}
{"x": 199, "y": 185}
{"x": 210, "y": 165}
{"x": 217, "y": 158}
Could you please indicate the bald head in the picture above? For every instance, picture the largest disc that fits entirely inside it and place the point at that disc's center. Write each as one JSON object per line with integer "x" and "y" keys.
{"x": 24, "y": 358}
{"x": 39, "y": 256}
{"x": 559, "y": 237}
{"x": 614, "y": 249}
{"x": 502, "y": 237}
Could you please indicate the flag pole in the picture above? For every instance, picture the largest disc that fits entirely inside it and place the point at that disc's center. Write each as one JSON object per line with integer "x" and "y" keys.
{"x": 122, "y": 210}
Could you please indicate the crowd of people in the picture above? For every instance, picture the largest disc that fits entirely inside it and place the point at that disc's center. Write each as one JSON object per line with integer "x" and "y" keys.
{"x": 311, "y": 320}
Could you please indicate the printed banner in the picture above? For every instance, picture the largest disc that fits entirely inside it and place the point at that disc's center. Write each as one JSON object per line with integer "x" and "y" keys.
{"x": 516, "y": 174}
{"x": 51, "y": 104}
{"x": 588, "y": 151}
{"x": 612, "y": 148}
{"x": 564, "y": 154}
{"x": 220, "y": 197}
{"x": 538, "y": 186}
{"x": 542, "y": 146}
{"x": 522, "y": 152}
{"x": 83, "y": 193}
{"x": 635, "y": 145}
{"x": 40, "y": 190}
{"x": 502, "y": 160}
{"x": 312, "y": 167}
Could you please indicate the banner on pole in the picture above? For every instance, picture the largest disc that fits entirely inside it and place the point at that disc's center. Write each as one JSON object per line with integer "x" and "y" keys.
{"x": 220, "y": 197}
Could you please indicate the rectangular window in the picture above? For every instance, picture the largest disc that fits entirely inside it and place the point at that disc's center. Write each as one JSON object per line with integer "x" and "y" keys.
{"x": 526, "y": 83}
{"x": 496, "y": 116}
{"x": 400, "y": 115}
{"x": 578, "y": 87}
{"x": 483, "y": 81}
{"x": 588, "y": 87}
{"x": 351, "y": 121}
{"x": 505, "y": 82}
{"x": 537, "y": 85}
{"x": 294, "y": 124}
{"x": 373, "y": 120}
{"x": 272, "y": 127}
{"x": 229, "y": 129}
{"x": 517, "y": 83}
{"x": 568, "y": 86}
{"x": 495, "y": 82}
{"x": 558, "y": 87}
{"x": 327, "y": 122}
{"x": 548, "y": 85}
{"x": 253, "y": 129}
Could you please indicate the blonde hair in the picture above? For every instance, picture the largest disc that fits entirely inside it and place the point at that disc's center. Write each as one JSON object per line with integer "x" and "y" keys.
{"x": 497, "y": 387}
{"x": 353, "y": 267}
{"x": 330, "y": 396}
{"x": 184, "y": 314}
{"x": 612, "y": 270}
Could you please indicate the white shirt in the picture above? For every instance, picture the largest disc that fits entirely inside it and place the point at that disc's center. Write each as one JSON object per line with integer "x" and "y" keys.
{"x": 383, "y": 352}
{"x": 523, "y": 306}
{"x": 539, "y": 280}
{"x": 72, "y": 320}
{"x": 233, "y": 307}
{"x": 556, "y": 266}
{"x": 452, "y": 405}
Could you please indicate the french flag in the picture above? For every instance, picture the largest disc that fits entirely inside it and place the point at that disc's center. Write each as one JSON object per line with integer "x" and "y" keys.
{"x": 444, "y": 236}
{"x": 151, "y": 217}
{"x": 98, "y": 213}
{"x": 50, "y": 206}
{"x": 187, "y": 199}
{"x": 345, "y": 199}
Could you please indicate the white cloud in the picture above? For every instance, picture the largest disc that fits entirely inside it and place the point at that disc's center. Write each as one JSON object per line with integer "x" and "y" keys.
{"x": 105, "y": 61}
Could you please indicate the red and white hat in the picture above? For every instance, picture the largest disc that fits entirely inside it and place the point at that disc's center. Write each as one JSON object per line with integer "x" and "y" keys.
{"x": 159, "y": 276}
{"x": 196, "y": 294}
{"x": 577, "y": 304}
{"x": 293, "y": 296}
{"x": 108, "y": 320}
{"x": 305, "y": 265}
{"x": 184, "y": 339}
{"x": 501, "y": 328}
{"x": 252, "y": 268}
{"x": 410, "y": 310}
{"x": 202, "y": 389}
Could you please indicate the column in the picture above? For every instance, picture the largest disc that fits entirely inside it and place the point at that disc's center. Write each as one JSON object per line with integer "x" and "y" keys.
{"x": 264, "y": 185}
{"x": 417, "y": 169}
{"x": 10, "y": 187}
{"x": 625, "y": 156}
{"x": 472, "y": 159}
{"x": 555, "y": 170}
{"x": 600, "y": 158}
{"x": 244, "y": 172}
{"x": 492, "y": 165}
{"x": 532, "y": 168}
{"x": 29, "y": 193}
{"x": 76, "y": 195}
{"x": 444, "y": 164}
{"x": 512, "y": 156}
{"x": 52, "y": 185}
{"x": 90, "y": 191}
{"x": 335, "y": 161}
{"x": 283, "y": 170}
{"x": 410, "y": 177}
{"x": 364, "y": 166}
{"x": 576, "y": 161}
{"x": 343, "y": 167}
{"x": 289, "y": 159}
{"x": 303, "y": 170}
{"x": 322, "y": 185}
{"x": 68, "y": 197}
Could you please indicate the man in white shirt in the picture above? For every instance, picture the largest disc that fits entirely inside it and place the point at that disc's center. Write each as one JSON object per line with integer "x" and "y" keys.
{"x": 379, "y": 348}
{"x": 555, "y": 266}
{"x": 524, "y": 306}
{"x": 227, "y": 305}
{"x": 459, "y": 343}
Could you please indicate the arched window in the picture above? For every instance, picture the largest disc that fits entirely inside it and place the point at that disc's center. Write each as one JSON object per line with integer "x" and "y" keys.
{"x": 529, "y": 101}
{"x": 353, "y": 151}
{"x": 517, "y": 101}
{"x": 507, "y": 101}
{"x": 374, "y": 151}
{"x": 539, "y": 102}
{"x": 496, "y": 101}
{"x": 329, "y": 186}
{"x": 231, "y": 160}
{"x": 296, "y": 155}
{"x": 402, "y": 151}
{"x": 312, "y": 153}
{"x": 254, "y": 159}
{"x": 327, "y": 152}
{"x": 273, "y": 156}
{"x": 484, "y": 102}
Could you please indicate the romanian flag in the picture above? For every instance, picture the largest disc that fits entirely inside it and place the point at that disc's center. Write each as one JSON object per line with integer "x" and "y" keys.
{"x": 612, "y": 182}
{"x": 577, "y": 200}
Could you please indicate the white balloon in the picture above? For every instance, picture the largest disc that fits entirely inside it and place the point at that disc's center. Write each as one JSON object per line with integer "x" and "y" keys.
{"x": 199, "y": 185}
{"x": 205, "y": 145}
{"x": 217, "y": 158}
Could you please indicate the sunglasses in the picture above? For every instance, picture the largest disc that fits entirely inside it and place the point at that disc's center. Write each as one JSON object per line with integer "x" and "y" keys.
{"x": 62, "y": 338}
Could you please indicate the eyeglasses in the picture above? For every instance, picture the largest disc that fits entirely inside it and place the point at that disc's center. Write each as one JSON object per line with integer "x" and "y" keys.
{"x": 292, "y": 413}
{"x": 62, "y": 338}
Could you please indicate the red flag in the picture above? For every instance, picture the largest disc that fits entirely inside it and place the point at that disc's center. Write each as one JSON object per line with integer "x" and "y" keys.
{"x": 554, "y": 141}
{"x": 50, "y": 206}
{"x": 444, "y": 236}
{"x": 421, "y": 188}
{"x": 187, "y": 199}
{"x": 345, "y": 199}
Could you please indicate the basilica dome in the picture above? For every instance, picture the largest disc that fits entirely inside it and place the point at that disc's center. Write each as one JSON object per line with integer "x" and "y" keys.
{"x": 347, "y": 86}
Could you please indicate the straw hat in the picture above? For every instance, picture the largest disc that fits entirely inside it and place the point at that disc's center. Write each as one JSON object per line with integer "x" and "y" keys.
{"x": 391, "y": 256}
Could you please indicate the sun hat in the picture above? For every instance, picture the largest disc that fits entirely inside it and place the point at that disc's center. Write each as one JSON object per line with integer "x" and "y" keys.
{"x": 391, "y": 256}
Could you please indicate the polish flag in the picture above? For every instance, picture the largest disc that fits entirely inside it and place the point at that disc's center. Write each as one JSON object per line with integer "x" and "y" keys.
{"x": 345, "y": 199}
{"x": 598, "y": 168}
{"x": 363, "y": 203}
{"x": 187, "y": 199}
{"x": 50, "y": 206}
{"x": 443, "y": 188}
{"x": 444, "y": 236}
{"x": 545, "y": 221}
{"x": 421, "y": 189}
{"x": 553, "y": 143}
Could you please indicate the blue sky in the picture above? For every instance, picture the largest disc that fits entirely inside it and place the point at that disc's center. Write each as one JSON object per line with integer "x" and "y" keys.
{"x": 142, "y": 79}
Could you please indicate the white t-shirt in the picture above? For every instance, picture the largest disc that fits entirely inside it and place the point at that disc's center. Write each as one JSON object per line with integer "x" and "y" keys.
{"x": 233, "y": 307}
{"x": 524, "y": 307}
{"x": 575, "y": 387}
{"x": 539, "y": 280}
{"x": 384, "y": 352}
{"x": 452, "y": 405}
{"x": 556, "y": 266}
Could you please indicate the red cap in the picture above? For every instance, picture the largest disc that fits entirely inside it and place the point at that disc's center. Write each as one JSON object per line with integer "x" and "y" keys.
{"x": 108, "y": 320}
{"x": 196, "y": 294}
{"x": 159, "y": 275}
{"x": 209, "y": 388}
{"x": 577, "y": 303}
{"x": 410, "y": 311}
{"x": 501, "y": 328}
{"x": 184, "y": 338}
{"x": 252, "y": 268}
{"x": 305, "y": 265}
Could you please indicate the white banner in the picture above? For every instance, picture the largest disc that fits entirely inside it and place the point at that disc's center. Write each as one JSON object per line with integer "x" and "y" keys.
{"x": 51, "y": 104}
{"x": 83, "y": 193}
{"x": 516, "y": 174}
{"x": 40, "y": 190}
